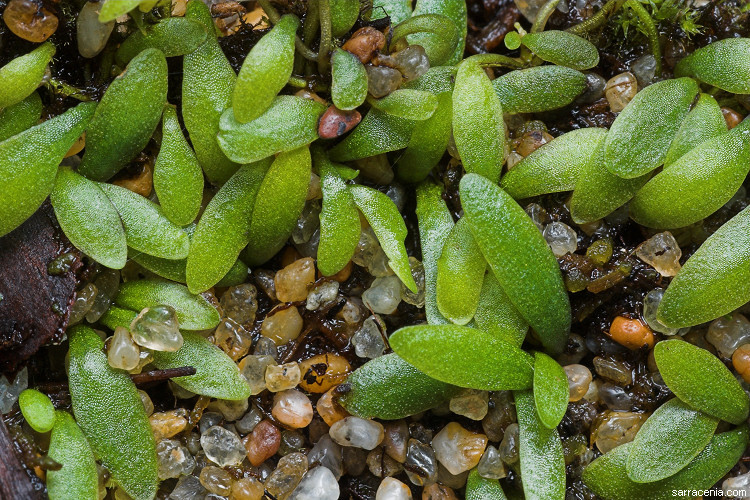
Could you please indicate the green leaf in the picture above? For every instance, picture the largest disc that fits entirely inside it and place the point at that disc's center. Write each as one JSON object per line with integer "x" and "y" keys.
{"x": 428, "y": 142}
{"x": 339, "y": 221}
{"x": 20, "y": 116}
{"x": 540, "y": 453}
{"x": 669, "y": 440}
{"x": 520, "y": 258}
{"x": 174, "y": 36}
{"x": 344, "y": 13}
{"x": 435, "y": 223}
{"x": 207, "y": 84}
{"x": 21, "y": 76}
{"x": 389, "y": 227}
{"x": 479, "y": 488}
{"x": 497, "y": 315}
{"x": 178, "y": 179}
{"x": 78, "y": 479}
{"x": 696, "y": 185}
{"x": 407, "y": 103}
{"x": 126, "y": 116}
{"x": 278, "y": 205}
{"x": 222, "y": 230}
{"x": 108, "y": 408}
{"x": 562, "y": 48}
{"x": 724, "y": 64}
{"x": 37, "y": 409}
{"x": 455, "y": 10}
{"x": 377, "y": 133}
{"x": 348, "y": 80}
{"x": 438, "y": 80}
{"x": 640, "y": 136}
{"x": 117, "y": 316}
{"x": 389, "y": 388}
{"x": 216, "y": 376}
{"x": 460, "y": 272}
{"x": 193, "y": 311}
{"x": 476, "y": 107}
{"x": 43, "y": 147}
{"x": 698, "y": 378}
{"x": 598, "y": 192}
{"x": 397, "y": 10}
{"x": 555, "y": 166}
{"x": 266, "y": 70}
{"x": 88, "y": 219}
{"x": 464, "y": 356}
{"x": 289, "y": 123}
{"x": 703, "y": 122}
{"x": 112, "y": 9}
{"x": 550, "y": 390}
{"x": 445, "y": 35}
{"x": 538, "y": 89}
{"x": 607, "y": 476}
{"x": 714, "y": 281}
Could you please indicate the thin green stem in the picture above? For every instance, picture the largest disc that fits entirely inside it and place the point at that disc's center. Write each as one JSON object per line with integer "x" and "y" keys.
{"x": 324, "y": 10}
{"x": 651, "y": 31}
{"x": 496, "y": 60}
{"x": 543, "y": 16}
{"x": 309, "y": 31}
{"x": 598, "y": 19}
{"x": 64, "y": 89}
{"x": 273, "y": 16}
{"x": 301, "y": 83}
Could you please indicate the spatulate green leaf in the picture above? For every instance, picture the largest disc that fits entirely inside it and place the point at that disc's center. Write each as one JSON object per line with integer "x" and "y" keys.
{"x": 407, "y": 103}
{"x": 428, "y": 142}
{"x": 703, "y": 122}
{"x": 724, "y": 64}
{"x": 78, "y": 478}
{"x": 497, "y": 315}
{"x": 21, "y": 76}
{"x": 20, "y": 116}
{"x": 550, "y": 390}
{"x": 442, "y": 46}
{"x": 112, "y": 9}
{"x": 538, "y": 89}
{"x": 455, "y": 10}
{"x": 479, "y": 488}
{"x": 562, "y": 48}
{"x": 377, "y": 133}
{"x": 37, "y": 409}
{"x": 174, "y": 36}
{"x": 348, "y": 80}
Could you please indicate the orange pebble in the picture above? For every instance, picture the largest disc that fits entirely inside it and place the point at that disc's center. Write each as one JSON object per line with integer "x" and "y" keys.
{"x": 77, "y": 146}
{"x": 323, "y": 371}
{"x": 741, "y": 361}
{"x": 329, "y": 410}
{"x": 732, "y": 117}
{"x": 342, "y": 275}
{"x": 631, "y": 333}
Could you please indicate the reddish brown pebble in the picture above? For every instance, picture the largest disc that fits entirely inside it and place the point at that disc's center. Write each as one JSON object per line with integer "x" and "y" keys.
{"x": 27, "y": 19}
{"x": 732, "y": 117}
{"x": 262, "y": 443}
{"x": 335, "y": 122}
{"x": 365, "y": 43}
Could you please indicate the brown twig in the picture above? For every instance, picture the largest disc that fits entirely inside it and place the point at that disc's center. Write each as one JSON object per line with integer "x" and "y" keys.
{"x": 159, "y": 375}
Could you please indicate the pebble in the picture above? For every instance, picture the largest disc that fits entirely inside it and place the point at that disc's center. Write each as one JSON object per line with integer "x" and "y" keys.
{"x": 187, "y": 488}
{"x": 382, "y": 80}
{"x": 491, "y": 465}
{"x": 319, "y": 483}
{"x": 322, "y": 372}
{"x": 365, "y": 43}
{"x": 615, "y": 397}
{"x": 614, "y": 370}
{"x": 357, "y": 432}
{"x": 107, "y": 285}
{"x": 329, "y": 410}
{"x": 392, "y": 489}
{"x": 741, "y": 361}
{"x": 600, "y": 251}
{"x": 412, "y": 61}
{"x": 247, "y": 488}
{"x": 157, "y": 328}
{"x": 737, "y": 487}
{"x": 122, "y": 352}
{"x": 726, "y": 334}
{"x": 91, "y": 34}
{"x": 457, "y": 448}
{"x": 381, "y": 465}
{"x": 29, "y": 20}
{"x": 650, "y": 304}
{"x": 661, "y": 252}
{"x": 616, "y": 428}
{"x": 310, "y": 248}
{"x": 336, "y": 122}
{"x": 620, "y": 90}
{"x": 292, "y": 282}
{"x": 146, "y": 358}
{"x": 384, "y": 295}
{"x": 169, "y": 423}
{"x": 538, "y": 215}
{"x": 561, "y": 238}
{"x": 282, "y": 325}
{"x": 148, "y": 405}
{"x": 266, "y": 347}
{"x": 595, "y": 85}
{"x": 282, "y": 377}
{"x": 501, "y": 413}
{"x": 644, "y": 69}
{"x": 9, "y": 391}
{"x": 265, "y": 280}
{"x": 292, "y": 408}
{"x": 230, "y": 410}
{"x": 262, "y": 443}
{"x": 437, "y": 491}
{"x": 291, "y": 441}
{"x": 142, "y": 182}
{"x": 216, "y": 480}
{"x": 222, "y": 446}
{"x": 575, "y": 350}
{"x": 240, "y": 303}
{"x": 376, "y": 168}
{"x": 209, "y": 419}
{"x": 174, "y": 459}
{"x": 322, "y": 295}
{"x": 531, "y": 140}
{"x": 368, "y": 340}
{"x": 314, "y": 190}
{"x": 328, "y": 454}
{"x": 253, "y": 368}
{"x": 731, "y": 117}
{"x": 417, "y": 272}
{"x": 421, "y": 463}
{"x": 232, "y": 338}
{"x": 579, "y": 379}
{"x": 508, "y": 448}
{"x": 249, "y": 420}
{"x": 631, "y": 333}
{"x": 287, "y": 475}
{"x": 82, "y": 303}
{"x": 471, "y": 403}
{"x": 395, "y": 440}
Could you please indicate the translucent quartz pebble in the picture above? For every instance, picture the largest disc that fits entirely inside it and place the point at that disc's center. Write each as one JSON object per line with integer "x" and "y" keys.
{"x": 392, "y": 489}
{"x": 650, "y": 304}
{"x": 321, "y": 295}
{"x": 216, "y": 480}
{"x": 508, "y": 448}
{"x": 620, "y": 90}
{"x": 230, "y": 410}
{"x": 381, "y": 465}
{"x": 368, "y": 341}
{"x": 283, "y": 325}
{"x": 614, "y": 370}
{"x": 421, "y": 463}
{"x": 247, "y": 488}
{"x": 491, "y": 466}
{"x": 529, "y": 8}
{"x": 308, "y": 222}
{"x": 232, "y": 338}
{"x": 328, "y": 454}
{"x": 412, "y": 62}
{"x": 82, "y": 304}
{"x": 293, "y": 281}
{"x": 616, "y": 428}
{"x": 357, "y": 432}
{"x": 471, "y": 403}
{"x": 318, "y": 483}
{"x": 249, "y": 420}
{"x": 561, "y": 238}
{"x": 253, "y": 368}
{"x": 384, "y": 295}
{"x": 168, "y": 423}
{"x": 9, "y": 391}
{"x": 727, "y": 334}
{"x": 240, "y": 303}
{"x": 292, "y": 408}
{"x": 737, "y": 487}
{"x": 579, "y": 379}
{"x": 538, "y": 215}
{"x": 188, "y": 488}
{"x": 157, "y": 328}
{"x": 266, "y": 347}
{"x": 615, "y": 397}
{"x": 92, "y": 35}
{"x": 174, "y": 459}
{"x": 123, "y": 353}
{"x": 457, "y": 448}
{"x": 287, "y": 475}
{"x": 644, "y": 69}
{"x": 107, "y": 285}
{"x": 382, "y": 80}
{"x": 366, "y": 249}
{"x": 282, "y": 377}
{"x": 222, "y": 446}
{"x": 417, "y": 272}
{"x": 661, "y": 252}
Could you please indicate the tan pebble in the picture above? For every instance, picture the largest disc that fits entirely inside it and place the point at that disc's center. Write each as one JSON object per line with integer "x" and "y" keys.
{"x": 294, "y": 280}
{"x": 323, "y": 371}
{"x": 142, "y": 183}
{"x": 329, "y": 410}
{"x": 365, "y": 43}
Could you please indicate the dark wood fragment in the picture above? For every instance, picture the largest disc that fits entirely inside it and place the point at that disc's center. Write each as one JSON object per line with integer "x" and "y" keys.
{"x": 15, "y": 481}
{"x": 160, "y": 375}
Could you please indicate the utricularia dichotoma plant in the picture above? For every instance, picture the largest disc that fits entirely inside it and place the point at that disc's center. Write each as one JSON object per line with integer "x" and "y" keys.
{"x": 232, "y": 196}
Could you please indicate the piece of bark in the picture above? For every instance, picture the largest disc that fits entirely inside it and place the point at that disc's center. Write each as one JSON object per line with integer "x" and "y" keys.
{"x": 15, "y": 482}
{"x": 34, "y": 305}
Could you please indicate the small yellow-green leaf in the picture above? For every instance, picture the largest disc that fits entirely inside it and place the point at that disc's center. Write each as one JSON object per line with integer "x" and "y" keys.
{"x": 703, "y": 122}
{"x": 78, "y": 478}
{"x": 538, "y": 89}
{"x": 348, "y": 80}
{"x": 668, "y": 441}
{"x": 88, "y": 219}
{"x": 112, "y": 9}
{"x": 377, "y": 133}
{"x": 724, "y": 64}
{"x": 193, "y": 311}
{"x": 428, "y": 142}
{"x": 550, "y": 390}
{"x": 174, "y": 36}
{"x": 497, "y": 315}
{"x": 455, "y": 10}
{"x": 389, "y": 388}
{"x": 464, "y": 356}
{"x": 407, "y": 103}
{"x": 479, "y": 488}
{"x": 389, "y": 227}
{"x": 444, "y": 41}
{"x": 37, "y": 409}
{"x": 397, "y": 10}
{"x": 562, "y": 48}
{"x": 344, "y": 13}
{"x": 21, "y": 76}
{"x": 698, "y": 378}
{"x": 20, "y": 116}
